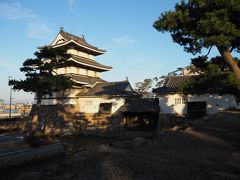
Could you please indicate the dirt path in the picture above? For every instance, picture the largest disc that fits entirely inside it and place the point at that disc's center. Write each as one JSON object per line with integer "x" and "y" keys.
{"x": 174, "y": 156}
{"x": 207, "y": 151}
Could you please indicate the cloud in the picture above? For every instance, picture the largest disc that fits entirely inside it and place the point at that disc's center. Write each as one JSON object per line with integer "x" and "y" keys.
{"x": 38, "y": 30}
{"x": 71, "y": 7}
{"x": 17, "y": 12}
{"x": 123, "y": 41}
{"x": 70, "y": 3}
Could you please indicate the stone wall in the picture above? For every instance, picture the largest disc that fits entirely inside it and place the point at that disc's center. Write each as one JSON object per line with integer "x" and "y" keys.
{"x": 11, "y": 126}
{"x": 65, "y": 119}
{"x": 171, "y": 120}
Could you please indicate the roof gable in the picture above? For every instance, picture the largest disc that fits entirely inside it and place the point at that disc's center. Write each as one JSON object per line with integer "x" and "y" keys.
{"x": 63, "y": 38}
{"x": 120, "y": 88}
{"x": 171, "y": 84}
{"x": 175, "y": 81}
{"x": 58, "y": 40}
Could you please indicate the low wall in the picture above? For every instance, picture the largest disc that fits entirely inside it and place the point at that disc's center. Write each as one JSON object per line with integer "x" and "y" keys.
{"x": 13, "y": 125}
{"x": 62, "y": 120}
{"x": 171, "y": 120}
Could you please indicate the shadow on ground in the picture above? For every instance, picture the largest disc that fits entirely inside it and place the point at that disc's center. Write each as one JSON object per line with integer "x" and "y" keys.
{"x": 206, "y": 150}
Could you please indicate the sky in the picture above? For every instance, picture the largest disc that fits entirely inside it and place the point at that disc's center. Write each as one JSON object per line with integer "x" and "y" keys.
{"x": 122, "y": 27}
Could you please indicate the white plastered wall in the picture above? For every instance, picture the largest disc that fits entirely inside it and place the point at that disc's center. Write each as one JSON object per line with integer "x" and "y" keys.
{"x": 214, "y": 103}
{"x": 69, "y": 97}
{"x": 77, "y": 70}
{"x": 58, "y": 101}
{"x": 87, "y": 105}
{"x": 83, "y": 71}
{"x": 98, "y": 74}
{"x": 74, "y": 70}
{"x": 61, "y": 71}
{"x": 91, "y": 73}
{"x": 168, "y": 106}
{"x": 91, "y": 105}
{"x": 79, "y": 53}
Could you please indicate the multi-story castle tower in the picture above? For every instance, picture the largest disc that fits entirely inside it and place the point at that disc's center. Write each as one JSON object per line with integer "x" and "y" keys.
{"x": 81, "y": 67}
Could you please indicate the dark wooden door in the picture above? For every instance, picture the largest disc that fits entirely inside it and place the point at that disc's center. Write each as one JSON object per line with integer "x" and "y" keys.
{"x": 197, "y": 108}
{"x": 141, "y": 121}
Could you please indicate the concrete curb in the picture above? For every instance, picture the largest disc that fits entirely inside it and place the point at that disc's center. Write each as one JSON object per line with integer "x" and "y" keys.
{"x": 11, "y": 159}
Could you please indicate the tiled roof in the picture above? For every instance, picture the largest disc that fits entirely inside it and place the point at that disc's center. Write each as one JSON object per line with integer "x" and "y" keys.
{"x": 171, "y": 84}
{"x": 140, "y": 105}
{"x": 91, "y": 63}
{"x": 174, "y": 81}
{"x": 86, "y": 79}
{"x": 120, "y": 88}
{"x": 79, "y": 40}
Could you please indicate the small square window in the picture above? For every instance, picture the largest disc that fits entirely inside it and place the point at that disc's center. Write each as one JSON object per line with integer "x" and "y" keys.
{"x": 105, "y": 108}
{"x": 178, "y": 100}
{"x": 184, "y": 100}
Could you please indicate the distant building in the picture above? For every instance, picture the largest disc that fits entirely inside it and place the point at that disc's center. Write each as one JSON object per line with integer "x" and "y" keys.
{"x": 188, "y": 71}
{"x": 18, "y": 109}
{"x": 171, "y": 101}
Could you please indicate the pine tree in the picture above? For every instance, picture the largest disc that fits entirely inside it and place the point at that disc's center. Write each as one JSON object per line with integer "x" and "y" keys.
{"x": 198, "y": 24}
{"x": 41, "y": 77}
{"x": 143, "y": 87}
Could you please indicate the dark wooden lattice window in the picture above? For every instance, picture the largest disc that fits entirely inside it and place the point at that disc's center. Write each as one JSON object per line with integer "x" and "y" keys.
{"x": 105, "y": 108}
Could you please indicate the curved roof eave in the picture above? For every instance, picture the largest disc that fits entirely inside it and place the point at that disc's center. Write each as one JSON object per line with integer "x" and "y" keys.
{"x": 100, "y": 51}
{"x": 78, "y": 81}
{"x": 106, "y": 69}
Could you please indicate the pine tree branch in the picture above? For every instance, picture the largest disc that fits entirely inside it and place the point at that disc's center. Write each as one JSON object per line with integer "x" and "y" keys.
{"x": 55, "y": 72}
{"x": 208, "y": 52}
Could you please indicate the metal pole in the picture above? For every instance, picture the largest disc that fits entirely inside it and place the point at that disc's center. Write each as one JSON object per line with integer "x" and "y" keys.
{"x": 10, "y": 104}
{"x": 10, "y": 100}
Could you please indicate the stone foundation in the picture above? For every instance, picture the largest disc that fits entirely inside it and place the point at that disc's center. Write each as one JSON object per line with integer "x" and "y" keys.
{"x": 62, "y": 120}
{"x": 12, "y": 126}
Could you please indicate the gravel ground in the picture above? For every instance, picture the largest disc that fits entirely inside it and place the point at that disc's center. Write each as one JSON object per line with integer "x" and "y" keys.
{"x": 198, "y": 152}
{"x": 176, "y": 156}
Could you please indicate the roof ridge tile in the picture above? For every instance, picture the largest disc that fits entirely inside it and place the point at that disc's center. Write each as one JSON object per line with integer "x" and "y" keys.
{"x": 80, "y": 40}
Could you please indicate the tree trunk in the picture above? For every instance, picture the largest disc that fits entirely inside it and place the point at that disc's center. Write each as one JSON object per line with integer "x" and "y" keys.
{"x": 35, "y": 117}
{"x": 39, "y": 99}
{"x": 226, "y": 54}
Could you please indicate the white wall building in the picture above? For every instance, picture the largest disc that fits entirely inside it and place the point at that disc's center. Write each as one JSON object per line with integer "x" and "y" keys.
{"x": 173, "y": 102}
